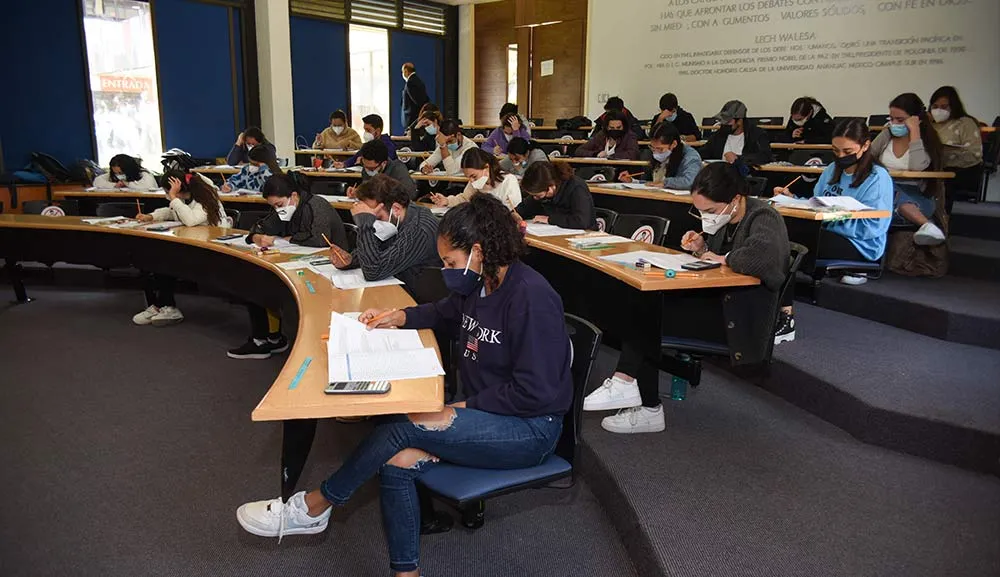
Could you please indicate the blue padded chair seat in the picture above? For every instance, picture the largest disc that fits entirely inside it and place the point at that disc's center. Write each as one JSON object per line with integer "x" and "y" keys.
{"x": 463, "y": 484}
{"x": 694, "y": 345}
{"x": 830, "y": 263}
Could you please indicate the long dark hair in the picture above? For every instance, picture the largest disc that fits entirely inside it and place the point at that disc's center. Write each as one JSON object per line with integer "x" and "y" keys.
{"x": 911, "y": 104}
{"x": 541, "y": 175}
{"x": 479, "y": 159}
{"x": 720, "y": 182}
{"x": 131, "y": 167}
{"x": 265, "y": 155}
{"x": 522, "y": 146}
{"x": 803, "y": 105}
{"x": 667, "y": 133}
{"x": 856, "y": 130}
{"x": 200, "y": 191}
{"x": 486, "y": 221}
{"x": 954, "y": 102}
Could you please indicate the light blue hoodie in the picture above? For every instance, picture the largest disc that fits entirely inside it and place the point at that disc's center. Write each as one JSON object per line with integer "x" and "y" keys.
{"x": 868, "y": 235}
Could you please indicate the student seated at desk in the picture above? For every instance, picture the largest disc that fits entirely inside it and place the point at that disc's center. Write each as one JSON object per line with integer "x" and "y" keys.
{"x": 375, "y": 161}
{"x": 511, "y": 108}
{"x": 338, "y": 135}
{"x": 911, "y": 143}
{"x": 675, "y": 164}
{"x": 521, "y": 154}
{"x": 556, "y": 196}
{"x": 451, "y": 145}
{"x": 193, "y": 203}
{"x": 617, "y": 105}
{"x": 498, "y": 140}
{"x": 517, "y": 387}
{"x": 855, "y": 174}
{"x": 615, "y": 142}
{"x": 744, "y": 233}
{"x": 672, "y": 112}
{"x": 808, "y": 122}
{"x": 298, "y": 217}
{"x": 396, "y": 238}
{"x": 423, "y": 136}
{"x": 248, "y": 139}
{"x": 484, "y": 174}
{"x": 372, "y": 131}
{"x": 126, "y": 172}
{"x": 255, "y": 173}
{"x": 427, "y": 107}
{"x": 738, "y": 141}
{"x": 961, "y": 142}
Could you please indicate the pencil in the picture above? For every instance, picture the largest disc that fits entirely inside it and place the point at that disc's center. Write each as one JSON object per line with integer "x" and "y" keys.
{"x": 793, "y": 181}
{"x": 634, "y": 174}
{"x": 333, "y": 252}
{"x": 380, "y": 317}
{"x": 138, "y": 207}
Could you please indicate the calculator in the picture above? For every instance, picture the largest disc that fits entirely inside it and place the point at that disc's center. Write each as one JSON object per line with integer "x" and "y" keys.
{"x": 356, "y": 387}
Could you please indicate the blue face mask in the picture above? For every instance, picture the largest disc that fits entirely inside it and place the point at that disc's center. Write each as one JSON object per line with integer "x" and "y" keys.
{"x": 661, "y": 156}
{"x": 463, "y": 281}
{"x": 453, "y": 146}
{"x": 899, "y": 130}
{"x": 672, "y": 117}
{"x": 430, "y": 129}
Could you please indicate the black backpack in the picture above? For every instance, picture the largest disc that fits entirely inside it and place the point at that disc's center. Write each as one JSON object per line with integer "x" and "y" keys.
{"x": 575, "y": 123}
{"x": 48, "y": 166}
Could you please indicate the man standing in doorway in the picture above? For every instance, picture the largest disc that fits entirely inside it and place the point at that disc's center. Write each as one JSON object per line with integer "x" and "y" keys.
{"x": 414, "y": 94}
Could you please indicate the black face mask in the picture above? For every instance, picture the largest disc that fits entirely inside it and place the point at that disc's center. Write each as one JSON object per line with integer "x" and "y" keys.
{"x": 616, "y": 133}
{"x": 847, "y": 161}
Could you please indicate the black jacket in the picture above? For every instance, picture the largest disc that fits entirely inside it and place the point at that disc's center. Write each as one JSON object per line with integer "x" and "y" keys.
{"x": 684, "y": 122}
{"x": 398, "y": 171}
{"x": 760, "y": 249}
{"x": 756, "y": 145}
{"x": 571, "y": 207}
{"x": 632, "y": 123}
{"x": 817, "y": 130}
{"x": 240, "y": 154}
{"x": 414, "y": 96}
{"x": 312, "y": 218}
{"x": 420, "y": 141}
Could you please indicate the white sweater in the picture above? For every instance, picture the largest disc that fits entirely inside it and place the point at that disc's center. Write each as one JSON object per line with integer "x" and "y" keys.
{"x": 191, "y": 214}
{"x": 453, "y": 162}
{"x": 508, "y": 191}
{"x": 145, "y": 182}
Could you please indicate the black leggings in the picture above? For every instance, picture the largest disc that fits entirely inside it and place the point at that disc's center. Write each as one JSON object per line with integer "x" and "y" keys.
{"x": 831, "y": 246}
{"x": 159, "y": 290}
{"x": 260, "y": 325}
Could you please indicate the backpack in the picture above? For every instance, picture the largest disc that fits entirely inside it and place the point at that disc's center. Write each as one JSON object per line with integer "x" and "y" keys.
{"x": 84, "y": 171}
{"x": 48, "y": 166}
{"x": 575, "y": 123}
{"x": 177, "y": 159}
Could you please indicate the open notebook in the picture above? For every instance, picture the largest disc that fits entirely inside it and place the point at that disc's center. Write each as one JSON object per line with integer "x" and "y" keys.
{"x": 821, "y": 203}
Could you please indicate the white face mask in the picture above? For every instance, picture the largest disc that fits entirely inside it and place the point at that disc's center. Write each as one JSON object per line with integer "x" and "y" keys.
{"x": 384, "y": 229}
{"x": 285, "y": 212}
{"x": 121, "y": 176}
{"x": 801, "y": 122}
{"x": 479, "y": 183}
{"x": 367, "y": 136}
{"x": 338, "y": 130}
{"x": 940, "y": 114}
{"x": 252, "y": 169}
{"x": 713, "y": 223}
{"x": 509, "y": 137}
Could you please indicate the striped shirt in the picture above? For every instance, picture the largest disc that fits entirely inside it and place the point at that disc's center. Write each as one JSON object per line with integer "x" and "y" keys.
{"x": 404, "y": 254}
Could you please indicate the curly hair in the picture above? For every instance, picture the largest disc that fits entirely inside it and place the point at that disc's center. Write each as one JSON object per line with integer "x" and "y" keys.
{"x": 131, "y": 167}
{"x": 201, "y": 191}
{"x": 486, "y": 221}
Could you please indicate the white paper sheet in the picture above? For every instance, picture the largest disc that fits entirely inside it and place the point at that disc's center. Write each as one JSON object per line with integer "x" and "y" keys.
{"x": 350, "y": 279}
{"x": 841, "y": 202}
{"x": 791, "y": 202}
{"x": 107, "y": 220}
{"x": 294, "y": 264}
{"x": 348, "y": 335}
{"x": 597, "y": 239}
{"x": 336, "y": 198}
{"x": 542, "y": 229}
{"x": 391, "y": 366}
{"x": 657, "y": 259}
{"x": 439, "y": 210}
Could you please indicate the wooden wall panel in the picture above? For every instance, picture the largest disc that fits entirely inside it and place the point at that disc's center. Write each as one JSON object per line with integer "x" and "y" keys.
{"x": 494, "y": 30}
{"x": 561, "y": 94}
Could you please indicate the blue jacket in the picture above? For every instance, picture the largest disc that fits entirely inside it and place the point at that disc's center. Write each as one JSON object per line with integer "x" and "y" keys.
{"x": 868, "y": 235}
{"x": 246, "y": 180}
{"x": 515, "y": 350}
{"x": 689, "y": 168}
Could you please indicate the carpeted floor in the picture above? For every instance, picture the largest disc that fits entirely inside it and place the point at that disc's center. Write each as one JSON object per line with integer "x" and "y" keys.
{"x": 126, "y": 451}
{"x": 743, "y": 484}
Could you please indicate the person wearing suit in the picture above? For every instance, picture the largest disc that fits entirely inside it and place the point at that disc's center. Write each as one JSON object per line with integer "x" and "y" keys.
{"x": 414, "y": 94}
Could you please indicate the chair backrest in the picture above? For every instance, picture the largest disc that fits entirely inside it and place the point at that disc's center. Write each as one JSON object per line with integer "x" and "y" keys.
{"x": 234, "y": 216}
{"x": 878, "y": 119}
{"x": 352, "y": 235}
{"x": 709, "y": 121}
{"x": 68, "y": 207}
{"x": 758, "y": 120}
{"x": 427, "y": 286}
{"x": 758, "y": 186}
{"x": 328, "y": 186}
{"x": 796, "y": 254}
{"x": 112, "y": 209}
{"x": 838, "y": 119}
{"x": 33, "y": 206}
{"x": 248, "y": 218}
{"x": 537, "y": 121}
{"x": 991, "y": 149}
{"x": 642, "y": 227}
{"x": 801, "y": 157}
{"x": 606, "y": 219}
{"x": 586, "y": 340}
{"x": 588, "y": 172}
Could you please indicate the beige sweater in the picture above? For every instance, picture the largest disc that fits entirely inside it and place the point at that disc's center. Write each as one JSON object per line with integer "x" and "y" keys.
{"x": 191, "y": 214}
{"x": 349, "y": 139}
{"x": 963, "y": 142}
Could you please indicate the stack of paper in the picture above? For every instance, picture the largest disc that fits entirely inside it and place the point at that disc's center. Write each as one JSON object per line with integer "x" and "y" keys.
{"x": 657, "y": 259}
{"x": 820, "y": 203}
{"x": 355, "y": 353}
{"x": 598, "y": 239}
{"x": 542, "y": 229}
{"x": 355, "y": 168}
{"x": 107, "y": 221}
{"x": 348, "y": 279}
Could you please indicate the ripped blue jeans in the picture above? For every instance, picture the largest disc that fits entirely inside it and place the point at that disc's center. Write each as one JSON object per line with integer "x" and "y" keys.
{"x": 473, "y": 439}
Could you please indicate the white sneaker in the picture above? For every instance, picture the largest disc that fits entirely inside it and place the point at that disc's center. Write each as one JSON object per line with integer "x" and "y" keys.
{"x": 853, "y": 279}
{"x": 276, "y": 519}
{"x": 613, "y": 394}
{"x": 146, "y": 316}
{"x": 167, "y": 316}
{"x": 928, "y": 235}
{"x": 635, "y": 420}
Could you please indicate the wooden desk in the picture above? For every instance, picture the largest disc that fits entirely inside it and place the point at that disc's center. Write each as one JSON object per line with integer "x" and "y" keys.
{"x": 793, "y": 146}
{"x": 907, "y": 174}
{"x": 599, "y": 161}
{"x": 296, "y": 397}
{"x": 215, "y": 170}
{"x": 325, "y": 152}
{"x": 713, "y": 127}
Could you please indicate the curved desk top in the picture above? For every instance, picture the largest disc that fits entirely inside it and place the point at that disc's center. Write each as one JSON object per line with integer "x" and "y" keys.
{"x": 292, "y": 396}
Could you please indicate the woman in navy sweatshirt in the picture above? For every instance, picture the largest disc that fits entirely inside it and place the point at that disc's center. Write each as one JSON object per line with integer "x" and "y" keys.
{"x": 515, "y": 369}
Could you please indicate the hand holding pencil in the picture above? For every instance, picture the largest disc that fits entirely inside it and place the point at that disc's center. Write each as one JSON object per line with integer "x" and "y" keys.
{"x": 383, "y": 318}
{"x": 340, "y": 257}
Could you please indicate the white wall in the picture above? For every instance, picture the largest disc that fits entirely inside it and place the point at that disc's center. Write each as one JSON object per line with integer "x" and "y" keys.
{"x": 711, "y": 51}
{"x": 467, "y": 63}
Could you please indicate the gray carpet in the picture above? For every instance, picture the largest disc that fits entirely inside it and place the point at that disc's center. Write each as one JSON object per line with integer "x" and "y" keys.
{"x": 743, "y": 484}
{"x": 126, "y": 451}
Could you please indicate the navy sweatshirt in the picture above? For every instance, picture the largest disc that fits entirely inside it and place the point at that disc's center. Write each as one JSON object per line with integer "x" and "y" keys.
{"x": 515, "y": 350}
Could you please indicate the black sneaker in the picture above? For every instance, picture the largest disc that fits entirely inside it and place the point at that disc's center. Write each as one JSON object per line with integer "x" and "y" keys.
{"x": 277, "y": 343}
{"x": 786, "y": 328}
{"x": 251, "y": 350}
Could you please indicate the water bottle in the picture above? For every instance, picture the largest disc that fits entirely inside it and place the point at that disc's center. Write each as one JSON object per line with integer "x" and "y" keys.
{"x": 678, "y": 388}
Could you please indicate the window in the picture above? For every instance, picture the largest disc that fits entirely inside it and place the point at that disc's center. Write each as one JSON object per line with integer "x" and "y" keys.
{"x": 369, "y": 74}
{"x": 119, "y": 36}
{"x": 423, "y": 17}
{"x": 512, "y": 73}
